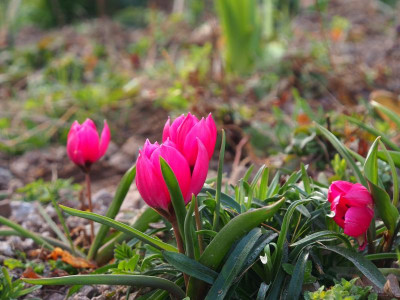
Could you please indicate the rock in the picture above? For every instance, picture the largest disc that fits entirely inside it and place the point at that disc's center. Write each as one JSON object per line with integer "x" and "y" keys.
{"x": 121, "y": 161}
{"x": 102, "y": 197}
{"x": 131, "y": 146}
{"x": 21, "y": 210}
{"x": 5, "y": 177}
{"x": 392, "y": 286}
{"x": 5, "y": 208}
{"x": 56, "y": 296}
{"x": 5, "y": 249}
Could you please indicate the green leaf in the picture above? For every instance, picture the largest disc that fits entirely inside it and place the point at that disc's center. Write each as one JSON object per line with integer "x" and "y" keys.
{"x": 190, "y": 266}
{"x": 189, "y": 236}
{"x": 176, "y": 195}
{"x": 391, "y": 114}
{"x": 343, "y": 152}
{"x": 387, "y": 211}
{"x": 121, "y": 227}
{"x": 131, "y": 280}
{"x": 26, "y": 233}
{"x": 296, "y": 281}
{"x": 374, "y": 132}
{"x": 394, "y": 175}
{"x": 371, "y": 163}
{"x": 395, "y": 155}
{"x": 262, "y": 292}
{"x": 113, "y": 210}
{"x": 226, "y": 200}
{"x": 232, "y": 231}
{"x": 379, "y": 256}
{"x": 262, "y": 192}
{"x": 233, "y": 265}
{"x": 105, "y": 253}
{"x": 278, "y": 254}
{"x": 306, "y": 179}
{"x": 219, "y": 183}
{"x": 316, "y": 237}
{"x": 362, "y": 264}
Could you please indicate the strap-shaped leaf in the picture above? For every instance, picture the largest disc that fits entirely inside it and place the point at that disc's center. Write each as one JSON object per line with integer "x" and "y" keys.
{"x": 176, "y": 195}
{"x": 320, "y": 236}
{"x": 121, "y": 227}
{"x": 219, "y": 183}
{"x": 395, "y": 155}
{"x": 190, "y": 266}
{"x": 26, "y": 233}
{"x": 296, "y": 282}
{"x": 262, "y": 292}
{"x": 390, "y": 113}
{"x": 226, "y": 200}
{"x": 132, "y": 280}
{"x": 113, "y": 209}
{"x": 233, "y": 265}
{"x": 343, "y": 152}
{"x": 362, "y": 264}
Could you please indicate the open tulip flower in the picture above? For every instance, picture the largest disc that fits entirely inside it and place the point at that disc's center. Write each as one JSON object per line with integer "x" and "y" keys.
{"x": 150, "y": 181}
{"x": 353, "y": 208}
{"x": 185, "y": 131}
{"x": 84, "y": 146}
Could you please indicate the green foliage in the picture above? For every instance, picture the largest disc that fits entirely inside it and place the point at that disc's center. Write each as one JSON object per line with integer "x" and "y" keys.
{"x": 44, "y": 192}
{"x": 343, "y": 290}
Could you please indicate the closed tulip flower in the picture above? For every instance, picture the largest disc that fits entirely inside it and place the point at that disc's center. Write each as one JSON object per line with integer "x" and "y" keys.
{"x": 150, "y": 181}
{"x": 84, "y": 146}
{"x": 185, "y": 131}
{"x": 353, "y": 208}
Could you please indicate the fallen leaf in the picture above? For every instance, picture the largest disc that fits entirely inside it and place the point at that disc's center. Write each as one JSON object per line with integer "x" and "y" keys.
{"x": 76, "y": 262}
{"x": 387, "y": 99}
{"x": 29, "y": 273}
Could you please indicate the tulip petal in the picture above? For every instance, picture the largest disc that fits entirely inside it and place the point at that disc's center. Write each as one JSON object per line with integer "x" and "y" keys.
{"x": 338, "y": 188}
{"x": 73, "y": 150}
{"x": 104, "y": 140}
{"x": 177, "y": 163}
{"x": 148, "y": 148}
{"x": 187, "y": 125}
{"x": 88, "y": 142}
{"x": 213, "y": 131}
{"x": 340, "y": 211}
{"x": 167, "y": 126}
{"x": 174, "y": 128}
{"x": 200, "y": 131}
{"x": 357, "y": 220}
{"x": 89, "y": 123}
{"x": 148, "y": 184}
{"x": 200, "y": 171}
{"x": 358, "y": 195}
{"x": 74, "y": 128}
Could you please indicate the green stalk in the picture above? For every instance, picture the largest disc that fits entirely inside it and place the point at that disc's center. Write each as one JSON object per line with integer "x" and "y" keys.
{"x": 26, "y": 233}
{"x": 219, "y": 182}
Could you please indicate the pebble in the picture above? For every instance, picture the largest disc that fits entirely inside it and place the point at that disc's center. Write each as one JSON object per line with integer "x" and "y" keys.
{"x": 21, "y": 210}
{"x": 5, "y": 178}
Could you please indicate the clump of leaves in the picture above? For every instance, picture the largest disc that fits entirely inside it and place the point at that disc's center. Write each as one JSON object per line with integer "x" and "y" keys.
{"x": 343, "y": 290}
{"x": 13, "y": 263}
{"x": 10, "y": 289}
{"x": 46, "y": 191}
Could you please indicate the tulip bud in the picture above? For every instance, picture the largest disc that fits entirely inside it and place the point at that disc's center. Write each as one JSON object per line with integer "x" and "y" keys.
{"x": 150, "y": 181}
{"x": 353, "y": 208}
{"x": 185, "y": 131}
{"x": 84, "y": 146}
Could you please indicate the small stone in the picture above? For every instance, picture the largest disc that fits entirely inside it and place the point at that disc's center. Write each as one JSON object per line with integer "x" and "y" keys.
{"x": 131, "y": 146}
{"x": 21, "y": 210}
{"x": 56, "y": 296}
{"x": 392, "y": 286}
{"x": 5, "y": 208}
{"x": 5, "y": 177}
{"x": 102, "y": 197}
{"x": 5, "y": 249}
{"x": 121, "y": 161}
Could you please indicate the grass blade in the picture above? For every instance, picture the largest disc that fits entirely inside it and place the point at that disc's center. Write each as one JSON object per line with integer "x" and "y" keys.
{"x": 131, "y": 280}
{"x": 121, "y": 227}
{"x": 26, "y": 233}
{"x": 113, "y": 210}
{"x": 296, "y": 282}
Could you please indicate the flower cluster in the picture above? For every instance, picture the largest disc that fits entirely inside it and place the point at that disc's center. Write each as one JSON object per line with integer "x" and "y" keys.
{"x": 188, "y": 144}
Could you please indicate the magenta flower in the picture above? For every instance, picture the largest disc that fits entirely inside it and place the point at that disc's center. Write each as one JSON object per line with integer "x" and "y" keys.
{"x": 353, "y": 208}
{"x": 84, "y": 146}
{"x": 185, "y": 131}
{"x": 149, "y": 179}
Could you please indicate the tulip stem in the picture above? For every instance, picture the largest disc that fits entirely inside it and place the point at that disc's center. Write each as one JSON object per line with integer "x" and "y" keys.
{"x": 198, "y": 225}
{"x": 179, "y": 243}
{"x": 89, "y": 196}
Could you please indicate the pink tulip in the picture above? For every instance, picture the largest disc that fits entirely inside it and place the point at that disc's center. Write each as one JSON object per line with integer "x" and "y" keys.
{"x": 149, "y": 179}
{"x": 185, "y": 131}
{"x": 84, "y": 146}
{"x": 353, "y": 207}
